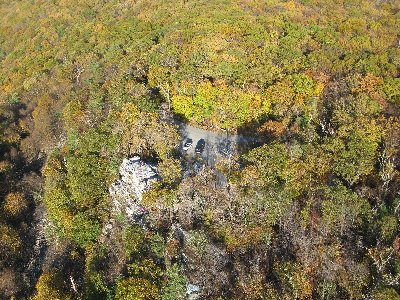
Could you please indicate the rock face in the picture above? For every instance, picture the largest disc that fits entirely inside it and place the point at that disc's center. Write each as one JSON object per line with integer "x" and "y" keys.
{"x": 136, "y": 177}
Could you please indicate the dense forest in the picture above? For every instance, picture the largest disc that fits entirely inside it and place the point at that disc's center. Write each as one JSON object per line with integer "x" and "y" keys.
{"x": 311, "y": 210}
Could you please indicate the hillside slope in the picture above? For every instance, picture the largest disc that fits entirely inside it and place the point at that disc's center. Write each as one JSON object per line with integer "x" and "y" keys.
{"x": 310, "y": 211}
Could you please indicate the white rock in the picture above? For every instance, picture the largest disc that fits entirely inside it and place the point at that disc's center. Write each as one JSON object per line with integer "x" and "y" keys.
{"x": 136, "y": 177}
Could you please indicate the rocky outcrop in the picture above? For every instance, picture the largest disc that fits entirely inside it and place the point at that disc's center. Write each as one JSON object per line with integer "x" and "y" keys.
{"x": 136, "y": 177}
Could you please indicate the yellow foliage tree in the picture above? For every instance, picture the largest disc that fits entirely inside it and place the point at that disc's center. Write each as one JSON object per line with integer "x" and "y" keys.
{"x": 15, "y": 204}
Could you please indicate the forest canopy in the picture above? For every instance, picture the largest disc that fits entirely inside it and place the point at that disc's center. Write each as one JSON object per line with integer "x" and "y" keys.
{"x": 308, "y": 210}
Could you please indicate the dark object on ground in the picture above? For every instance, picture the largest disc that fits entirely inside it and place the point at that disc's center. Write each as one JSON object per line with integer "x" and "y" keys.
{"x": 188, "y": 144}
{"x": 200, "y": 146}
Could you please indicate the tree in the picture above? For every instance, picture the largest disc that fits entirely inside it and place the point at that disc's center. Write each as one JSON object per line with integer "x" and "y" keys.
{"x": 51, "y": 285}
{"x": 170, "y": 171}
{"x": 15, "y": 204}
{"x": 10, "y": 243}
{"x": 136, "y": 289}
{"x": 343, "y": 209}
{"x": 143, "y": 282}
{"x": 175, "y": 287}
{"x": 391, "y": 89}
{"x": 134, "y": 240}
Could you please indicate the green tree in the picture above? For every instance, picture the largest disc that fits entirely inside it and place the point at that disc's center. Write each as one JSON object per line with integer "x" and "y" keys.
{"x": 175, "y": 287}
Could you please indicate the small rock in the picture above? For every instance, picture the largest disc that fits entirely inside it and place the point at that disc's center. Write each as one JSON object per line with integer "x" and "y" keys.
{"x": 192, "y": 288}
